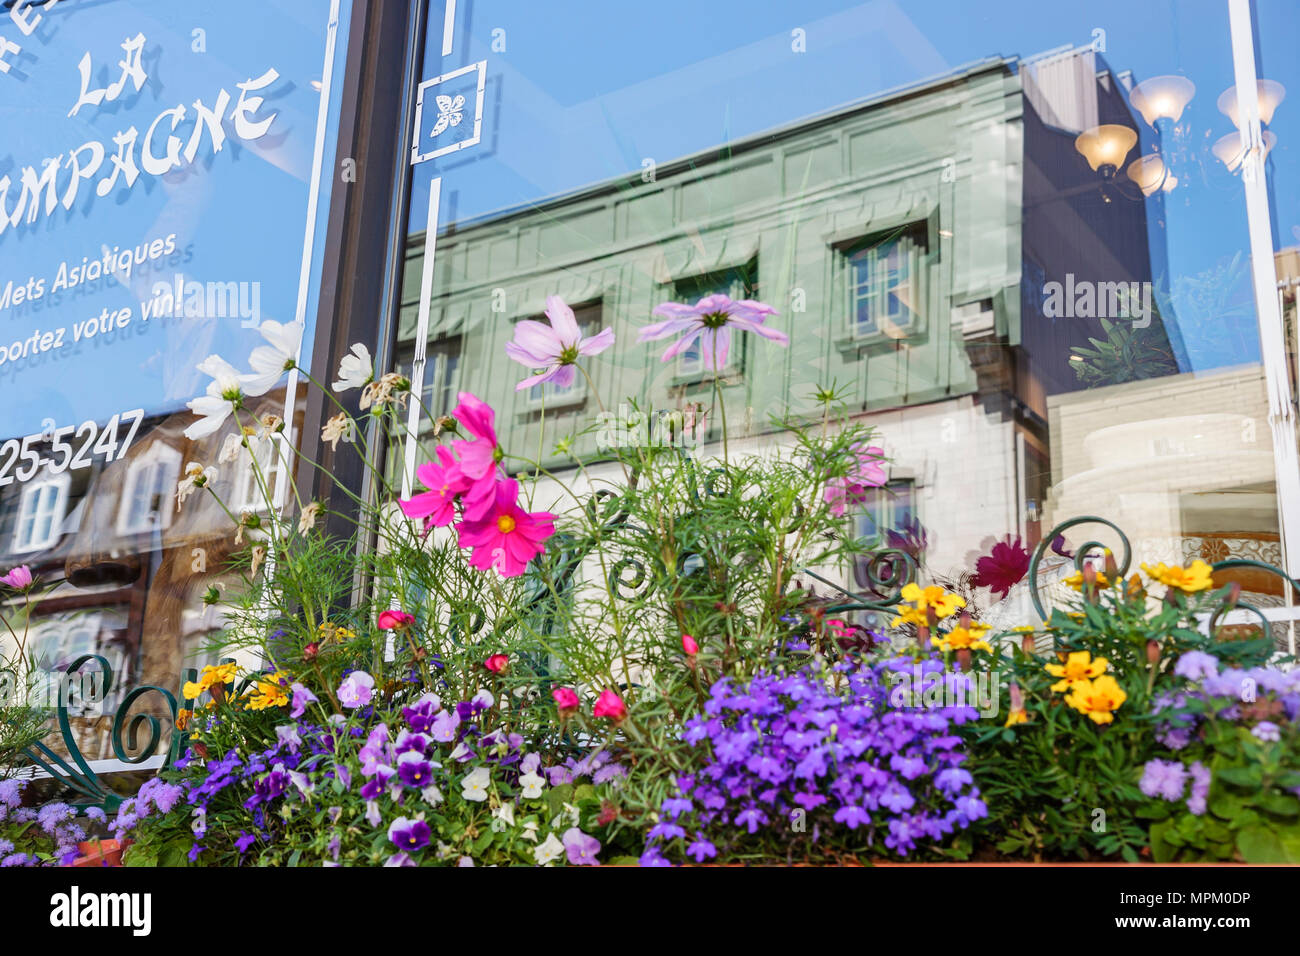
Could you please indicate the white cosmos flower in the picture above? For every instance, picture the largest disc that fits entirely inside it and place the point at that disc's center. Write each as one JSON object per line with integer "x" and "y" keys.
{"x": 224, "y": 393}
{"x": 548, "y": 850}
{"x": 474, "y": 785}
{"x": 532, "y": 784}
{"x": 269, "y": 362}
{"x": 355, "y": 369}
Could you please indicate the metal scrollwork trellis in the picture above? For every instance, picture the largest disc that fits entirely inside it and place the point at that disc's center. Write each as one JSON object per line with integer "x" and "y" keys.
{"x": 73, "y": 769}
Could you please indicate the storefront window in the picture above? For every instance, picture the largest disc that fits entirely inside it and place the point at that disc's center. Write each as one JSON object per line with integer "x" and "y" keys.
{"x": 1029, "y": 271}
{"x": 163, "y": 176}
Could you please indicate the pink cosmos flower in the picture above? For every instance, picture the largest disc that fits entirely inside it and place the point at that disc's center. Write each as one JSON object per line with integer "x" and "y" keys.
{"x": 476, "y": 470}
{"x": 497, "y": 663}
{"x": 566, "y": 700}
{"x": 689, "y": 646}
{"x": 554, "y": 348}
{"x": 394, "y": 620}
{"x": 710, "y": 320}
{"x": 610, "y": 705}
{"x": 866, "y": 472}
{"x": 507, "y": 537}
{"x": 437, "y": 506}
{"x": 20, "y": 578}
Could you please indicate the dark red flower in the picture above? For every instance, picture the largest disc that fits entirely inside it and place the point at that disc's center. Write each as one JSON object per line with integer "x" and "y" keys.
{"x": 1003, "y": 568}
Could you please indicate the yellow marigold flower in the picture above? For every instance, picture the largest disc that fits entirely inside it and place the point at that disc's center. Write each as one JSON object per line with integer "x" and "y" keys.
{"x": 943, "y": 602}
{"x": 1078, "y": 666}
{"x": 1196, "y": 577}
{"x": 183, "y": 718}
{"x": 271, "y": 692}
{"x": 910, "y": 615}
{"x": 958, "y": 638}
{"x": 333, "y": 633}
{"x": 1019, "y": 716}
{"x": 212, "y": 674}
{"x": 1097, "y": 699}
{"x": 1075, "y": 580}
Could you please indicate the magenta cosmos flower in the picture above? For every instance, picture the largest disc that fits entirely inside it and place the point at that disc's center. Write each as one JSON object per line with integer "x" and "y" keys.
{"x": 710, "y": 320}
{"x": 554, "y": 348}
{"x": 508, "y": 537}
{"x": 20, "y": 578}
{"x": 437, "y": 506}
{"x": 866, "y": 472}
{"x": 475, "y": 472}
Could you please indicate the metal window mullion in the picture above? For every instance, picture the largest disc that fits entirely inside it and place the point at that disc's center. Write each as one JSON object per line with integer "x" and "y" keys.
{"x": 1281, "y": 414}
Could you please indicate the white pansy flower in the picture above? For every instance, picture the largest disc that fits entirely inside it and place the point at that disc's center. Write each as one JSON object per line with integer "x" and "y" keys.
{"x": 270, "y": 361}
{"x": 505, "y": 813}
{"x": 432, "y": 795}
{"x": 530, "y": 830}
{"x": 356, "y": 370}
{"x": 224, "y": 394}
{"x": 532, "y": 784}
{"x": 548, "y": 850}
{"x": 474, "y": 785}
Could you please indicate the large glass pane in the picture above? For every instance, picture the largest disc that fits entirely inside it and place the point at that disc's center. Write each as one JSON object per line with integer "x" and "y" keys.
{"x": 156, "y": 177}
{"x": 1009, "y": 233}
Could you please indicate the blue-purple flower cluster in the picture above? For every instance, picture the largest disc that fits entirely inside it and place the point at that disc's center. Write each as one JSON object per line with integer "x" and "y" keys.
{"x": 1229, "y": 695}
{"x": 1167, "y": 780}
{"x": 57, "y": 822}
{"x": 810, "y": 754}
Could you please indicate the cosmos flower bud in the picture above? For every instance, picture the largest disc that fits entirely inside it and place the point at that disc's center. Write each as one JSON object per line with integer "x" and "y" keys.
{"x": 689, "y": 646}
{"x": 311, "y": 651}
{"x": 963, "y": 658}
{"x": 497, "y": 663}
{"x": 1112, "y": 569}
{"x": 1027, "y": 643}
{"x": 1153, "y": 652}
{"x": 394, "y": 620}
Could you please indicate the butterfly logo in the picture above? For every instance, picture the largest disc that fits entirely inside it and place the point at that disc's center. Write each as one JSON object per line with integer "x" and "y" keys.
{"x": 450, "y": 112}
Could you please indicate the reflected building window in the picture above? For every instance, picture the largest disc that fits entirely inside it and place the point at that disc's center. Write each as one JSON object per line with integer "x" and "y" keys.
{"x": 442, "y": 376}
{"x": 883, "y": 274}
{"x": 40, "y": 513}
{"x": 147, "y": 490}
{"x": 257, "y": 488}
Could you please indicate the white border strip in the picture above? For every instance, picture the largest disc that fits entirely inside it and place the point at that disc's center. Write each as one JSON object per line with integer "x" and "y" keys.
{"x": 448, "y": 27}
{"x": 421, "y": 334}
{"x": 1272, "y": 337}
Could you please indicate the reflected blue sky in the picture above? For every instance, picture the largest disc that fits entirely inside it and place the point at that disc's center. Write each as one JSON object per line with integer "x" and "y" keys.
{"x": 577, "y": 98}
{"x": 237, "y": 215}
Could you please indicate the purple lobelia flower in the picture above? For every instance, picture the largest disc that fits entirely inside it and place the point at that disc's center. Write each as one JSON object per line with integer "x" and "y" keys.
{"x": 554, "y": 348}
{"x": 711, "y": 321}
{"x": 846, "y": 753}
{"x": 409, "y": 835}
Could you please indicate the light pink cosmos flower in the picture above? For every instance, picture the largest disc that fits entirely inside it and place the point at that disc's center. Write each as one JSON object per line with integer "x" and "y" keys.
{"x": 508, "y": 537}
{"x": 20, "y": 578}
{"x": 437, "y": 506}
{"x": 710, "y": 320}
{"x": 554, "y": 348}
{"x": 476, "y": 470}
{"x": 866, "y": 472}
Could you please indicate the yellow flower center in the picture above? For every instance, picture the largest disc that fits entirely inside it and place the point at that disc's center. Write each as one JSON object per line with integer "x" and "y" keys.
{"x": 505, "y": 524}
